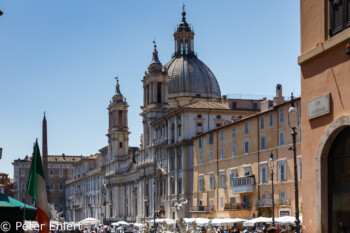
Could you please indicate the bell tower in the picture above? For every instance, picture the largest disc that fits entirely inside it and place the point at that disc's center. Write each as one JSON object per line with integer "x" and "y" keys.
{"x": 118, "y": 130}
{"x": 155, "y": 94}
{"x": 155, "y": 84}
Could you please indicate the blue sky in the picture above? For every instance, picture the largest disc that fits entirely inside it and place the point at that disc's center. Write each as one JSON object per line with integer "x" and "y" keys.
{"x": 62, "y": 57}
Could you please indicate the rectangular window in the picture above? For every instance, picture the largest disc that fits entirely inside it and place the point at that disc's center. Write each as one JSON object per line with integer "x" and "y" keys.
{"x": 300, "y": 168}
{"x": 262, "y": 122}
{"x": 23, "y": 187}
{"x": 61, "y": 186}
{"x": 270, "y": 120}
{"x": 222, "y": 180}
{"x": 222, "y": 135}
{"x": 339, "y": 16}
{"x": 51, "y": 173}
{"x": 233, "y": 131}
{"x": 211, "y": 202}
{"x": 282, "y": 171}
{"x": 222, "y": 156}
{"x": 263, "y": 173}
{"x": 200, "y": 158}
{"x": 61, "y": 172}
{"x": 281, "y": 138}
{"x": 246, "y": 127}
{"x": 199, "y": 124}
{"x": 222, "y": 202}
{"x": 200, "y": 184}
{"x": 246, "y": 146}
{"x": 200, "y": 142}
{"x": 233, "y": 150}
{"x": 282, "y": 195}
{"x": 210, "y": 138}
{"x": 232, "y": 176}
{"x": 210, "y": 156}
{"x": 281, "y": 115}
{"x": 179, "y": 186}
{"x": 263, "y": 142}
{"x": 247, "y": 171}
{"x": 23, "y": 172}
{"x": 299, "y": 132}
{"x": 212, "y": 182}
{"x": 51, "y": 186}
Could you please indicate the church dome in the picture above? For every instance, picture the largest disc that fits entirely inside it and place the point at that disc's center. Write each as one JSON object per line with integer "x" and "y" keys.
{"x": 189, "y": 76}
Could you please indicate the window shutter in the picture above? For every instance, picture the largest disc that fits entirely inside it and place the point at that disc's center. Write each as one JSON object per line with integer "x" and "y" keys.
{"x": 279, "y": 172}
{"x": 339, "y": 14}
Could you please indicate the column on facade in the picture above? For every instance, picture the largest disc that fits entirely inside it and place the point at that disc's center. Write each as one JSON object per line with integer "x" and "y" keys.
{"x": 166, "y": 191}
{"x": 114, "y": 200}
{"x": 169, "y": 132}
{"x": 126, "y": 117}
{"x": 163, "y": 92}
{"x": 142, "y": 195}
{"x": 175, "y": 129}
{"x": 144, "y": 96}
{"x": 166, "y": 91}
{"x": 176, "y": 171}
{"x": 150, "y": 93}
{"x": 154, "y": 92}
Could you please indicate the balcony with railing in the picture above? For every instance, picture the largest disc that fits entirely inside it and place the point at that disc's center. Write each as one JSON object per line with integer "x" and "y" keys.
{"x": 278, "y": 202}
{"x": 237, "y": 206}
{"x": 202, "y": 209}
{"x": 244, "y": 184}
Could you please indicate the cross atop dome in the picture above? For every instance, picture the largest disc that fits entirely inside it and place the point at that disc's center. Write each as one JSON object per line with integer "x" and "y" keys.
{"x": 155, "y": 59}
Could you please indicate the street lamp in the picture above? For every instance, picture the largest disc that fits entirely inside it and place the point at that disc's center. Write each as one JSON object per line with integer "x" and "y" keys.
{"x": 273, "y": 193}
{"x": 154, "y": 206}
{"x": 293, "y": 123}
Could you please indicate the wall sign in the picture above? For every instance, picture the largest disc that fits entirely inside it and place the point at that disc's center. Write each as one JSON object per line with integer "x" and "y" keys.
{"x": 319, "y": 106}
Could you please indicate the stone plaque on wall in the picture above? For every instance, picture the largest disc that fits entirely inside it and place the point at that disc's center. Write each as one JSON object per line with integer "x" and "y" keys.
{"x": 319, "y": 106}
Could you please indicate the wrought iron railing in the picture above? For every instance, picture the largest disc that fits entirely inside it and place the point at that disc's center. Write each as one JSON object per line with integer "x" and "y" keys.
{"x": 202, "y": 209}
{"x": 237, "y": 206}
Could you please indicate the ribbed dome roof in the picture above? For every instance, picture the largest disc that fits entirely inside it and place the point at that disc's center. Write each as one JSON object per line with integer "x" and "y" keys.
{"x": 191, "y": 77}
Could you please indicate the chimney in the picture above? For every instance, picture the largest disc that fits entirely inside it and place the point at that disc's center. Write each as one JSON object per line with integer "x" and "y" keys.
{"x": 264, "y": 105}
{"x": 278, "y": 99}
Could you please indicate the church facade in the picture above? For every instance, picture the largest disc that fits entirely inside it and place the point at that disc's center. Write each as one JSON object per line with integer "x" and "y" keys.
{"x": 181, "y": 99}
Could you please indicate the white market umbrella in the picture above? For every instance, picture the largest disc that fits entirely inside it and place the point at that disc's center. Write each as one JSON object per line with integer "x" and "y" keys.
{"x": 90, "y": 221}
{"x": 226, "y": 221}
{"x": 139, "y": 225}
{"x": 120, "y": 223}
{"x": 252, "y": 222}
{"x": 286, "y": 220}
{"x": 201, "y": 222}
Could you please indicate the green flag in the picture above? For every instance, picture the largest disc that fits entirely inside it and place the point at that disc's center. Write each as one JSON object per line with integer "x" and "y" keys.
{"x": 35, "y": 168}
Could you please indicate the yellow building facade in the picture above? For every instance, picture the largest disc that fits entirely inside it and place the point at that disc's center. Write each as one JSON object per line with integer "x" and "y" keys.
{"x": 232, "y": 170}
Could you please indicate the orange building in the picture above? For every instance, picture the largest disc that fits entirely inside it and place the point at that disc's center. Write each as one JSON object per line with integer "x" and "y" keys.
{"x": 325, "y": 85}
{"x": 231, "y": 167}
{"x": 6, "y": 185}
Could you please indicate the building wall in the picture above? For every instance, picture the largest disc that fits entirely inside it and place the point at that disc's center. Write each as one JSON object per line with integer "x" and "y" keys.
{"x": 59, "y": 171}
{"x": 83, "y": 191}
{"x": 214, "y": 200}
{"x": 325, "y": 69}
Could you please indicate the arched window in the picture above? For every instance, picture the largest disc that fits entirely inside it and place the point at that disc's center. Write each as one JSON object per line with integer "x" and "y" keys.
{"x": 186, "y": 47}
{"x": 339, "y": 183}
{"x": 181, "y": 47}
